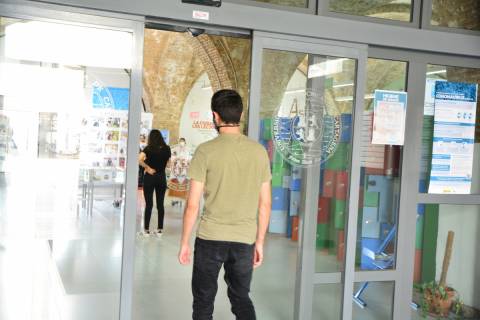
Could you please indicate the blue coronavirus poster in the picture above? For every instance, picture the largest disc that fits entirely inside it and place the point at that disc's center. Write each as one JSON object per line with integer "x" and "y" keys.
{"x": 453, "y": 137}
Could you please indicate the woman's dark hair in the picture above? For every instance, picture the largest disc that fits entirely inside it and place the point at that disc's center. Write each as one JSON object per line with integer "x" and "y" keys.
{"x": 155, "y": 139}
{"x": 228, "y": 104}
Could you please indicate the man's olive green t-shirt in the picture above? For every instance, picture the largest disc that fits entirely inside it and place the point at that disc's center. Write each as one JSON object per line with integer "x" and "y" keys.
{"x": 232, "y": 168}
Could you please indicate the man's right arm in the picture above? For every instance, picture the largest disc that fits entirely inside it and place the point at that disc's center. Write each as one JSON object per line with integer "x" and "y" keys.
{"x": 264, "y": 208}
{"x": 197, "y": 173}
{"x": 189, "y": 219}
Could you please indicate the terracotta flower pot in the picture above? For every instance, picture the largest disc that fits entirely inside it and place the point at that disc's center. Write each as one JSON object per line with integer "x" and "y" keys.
{"x": 439, "y": 307}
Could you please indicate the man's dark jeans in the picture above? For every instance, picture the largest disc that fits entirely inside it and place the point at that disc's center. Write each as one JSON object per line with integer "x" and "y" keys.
{"x": 237, "y": 260}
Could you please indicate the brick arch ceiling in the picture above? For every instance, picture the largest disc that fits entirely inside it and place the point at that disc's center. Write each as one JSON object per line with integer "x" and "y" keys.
{"x": 172, "y": 64}
{"x": 212, "y": 61}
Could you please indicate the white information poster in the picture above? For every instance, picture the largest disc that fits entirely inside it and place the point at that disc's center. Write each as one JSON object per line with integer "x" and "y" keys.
{"x": 453, "y": 137}
{"x": 429, "y": 109}
{"x": 389, "y": 113}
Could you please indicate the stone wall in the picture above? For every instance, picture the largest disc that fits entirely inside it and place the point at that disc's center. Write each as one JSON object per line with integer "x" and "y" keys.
{"x": 278, "y": 68}
{"x": 236, "y": 56}
{"x": 171, "y": 68}
{"x": 174, "y": 61}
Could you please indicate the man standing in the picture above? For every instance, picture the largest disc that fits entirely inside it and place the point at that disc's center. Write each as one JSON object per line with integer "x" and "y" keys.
{"x": 233, "y": 173}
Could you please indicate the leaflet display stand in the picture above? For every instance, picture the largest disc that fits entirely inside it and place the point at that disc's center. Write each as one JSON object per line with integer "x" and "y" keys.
{"x": 103, "y": 155}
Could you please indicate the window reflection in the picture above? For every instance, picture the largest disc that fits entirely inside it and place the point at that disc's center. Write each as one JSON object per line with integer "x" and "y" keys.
{"x": 380, "y": 175}
{"x": 452, "y": 74}
{"x": 383, "y": 9}
{"x": 434, "y": 223}
{"x": 459, "y": 14}
{"x": 64, "y": 100}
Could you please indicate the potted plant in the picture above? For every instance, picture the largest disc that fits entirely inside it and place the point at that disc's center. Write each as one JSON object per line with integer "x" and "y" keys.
{"x": 437, "y": 299}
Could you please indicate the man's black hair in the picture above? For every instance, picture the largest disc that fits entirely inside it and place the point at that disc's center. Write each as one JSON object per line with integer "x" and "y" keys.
{"x": 228, "y": 104}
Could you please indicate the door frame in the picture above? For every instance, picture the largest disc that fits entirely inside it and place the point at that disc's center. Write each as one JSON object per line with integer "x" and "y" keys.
{"x": 135, "y": 26}
{"x": 307, "y": 278}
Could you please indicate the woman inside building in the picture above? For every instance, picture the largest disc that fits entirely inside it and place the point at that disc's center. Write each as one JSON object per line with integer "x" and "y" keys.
{"x": 153, "y": 159}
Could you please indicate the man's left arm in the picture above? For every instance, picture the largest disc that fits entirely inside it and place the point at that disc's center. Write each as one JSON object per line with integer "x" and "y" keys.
{"x": 189, "y": 218}
{"x": 264, "y": 209}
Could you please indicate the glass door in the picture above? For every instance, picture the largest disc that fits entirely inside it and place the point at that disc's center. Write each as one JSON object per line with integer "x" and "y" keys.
{"x": 303, "y": 103}
{"x": 69, "y": 127}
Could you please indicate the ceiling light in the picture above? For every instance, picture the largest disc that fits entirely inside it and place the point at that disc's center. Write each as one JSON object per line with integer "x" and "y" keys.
{"x": 69, "y": 44}
{"x": 437, "y": 72}
{"x": 343, "y": 85}
{"x": 294, "y": 91}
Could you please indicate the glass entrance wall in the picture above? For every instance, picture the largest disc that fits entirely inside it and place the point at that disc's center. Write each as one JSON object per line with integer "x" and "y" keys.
{"x": 321, "y": 88}
{"x": 445, "y": 255}
{"x": 465, "y": 14}
{"x": 376, "y": 300}
{"x": 380, "y": 174}
{"x": 310, "y": 82}
{"x": 305, "y": 123}
{"x": 448, "y": 249}
{"x": 64, "y": 108}
{"x": 464, "y": 164}
{"x": 327, "y": 301}
{"x": 339, "y": 93}
{"x": 283, "y": 87}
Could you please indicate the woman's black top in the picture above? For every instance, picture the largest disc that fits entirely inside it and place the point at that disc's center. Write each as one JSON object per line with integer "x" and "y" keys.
{"x": 157, "y": 158}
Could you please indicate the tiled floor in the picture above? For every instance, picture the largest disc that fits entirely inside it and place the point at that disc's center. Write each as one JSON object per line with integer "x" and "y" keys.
{"x": 59, "y": 264}
{"x": 162, "y": 286}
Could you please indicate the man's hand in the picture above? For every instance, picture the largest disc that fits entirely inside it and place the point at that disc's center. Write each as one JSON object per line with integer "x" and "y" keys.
{"x": 184, "y": 254}
{"x": 258, "y": 257}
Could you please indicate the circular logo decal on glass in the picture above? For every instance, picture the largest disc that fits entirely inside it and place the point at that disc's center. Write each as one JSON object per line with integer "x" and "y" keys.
{"x": 102, "y": 96}
{"x": 305, "y": 135}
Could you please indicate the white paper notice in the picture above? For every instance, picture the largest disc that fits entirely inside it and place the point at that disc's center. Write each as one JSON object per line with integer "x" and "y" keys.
{"x": 389, "y": 112}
